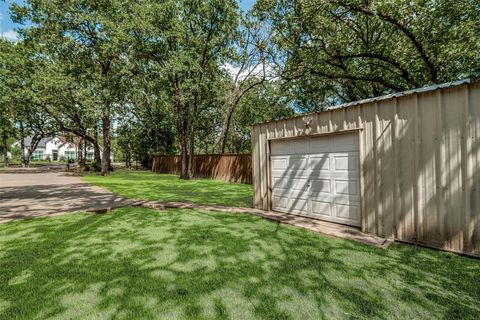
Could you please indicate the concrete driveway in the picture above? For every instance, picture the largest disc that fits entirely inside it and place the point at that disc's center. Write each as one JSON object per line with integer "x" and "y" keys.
{"x": 24, "y": 195}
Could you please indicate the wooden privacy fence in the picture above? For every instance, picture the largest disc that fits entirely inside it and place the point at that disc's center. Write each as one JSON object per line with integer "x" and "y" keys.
{"x": 228, "y": 167}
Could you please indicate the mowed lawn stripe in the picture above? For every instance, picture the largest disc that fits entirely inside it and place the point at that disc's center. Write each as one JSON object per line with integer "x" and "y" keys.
{"x": 145, "y": 185}
{"x": 137, "y": 263}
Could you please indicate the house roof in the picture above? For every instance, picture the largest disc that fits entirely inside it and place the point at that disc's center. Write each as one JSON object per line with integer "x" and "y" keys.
{"x": 64, "y": 141}
{"x": 41, "y": 144}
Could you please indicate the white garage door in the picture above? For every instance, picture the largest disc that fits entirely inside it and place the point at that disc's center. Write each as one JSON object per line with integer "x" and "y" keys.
{"x": 317, "y": 177}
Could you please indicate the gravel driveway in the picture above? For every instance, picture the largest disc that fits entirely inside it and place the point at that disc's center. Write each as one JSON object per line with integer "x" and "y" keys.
{"x": 24, "y": 195}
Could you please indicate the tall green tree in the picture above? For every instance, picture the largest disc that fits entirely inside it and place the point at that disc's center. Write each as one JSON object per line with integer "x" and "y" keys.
{"x": 69, "y": 104}
{"x": 344, "y": 50}
{"x": 249, "y": 69}
{"x": 20, "y": 101}
{"x": 267, "y": 102}
{"x": 6, "y": 111}
{"x": 89, "y": 40}
{"x": 187, "y": 41}
{"x": 146, "y": 126}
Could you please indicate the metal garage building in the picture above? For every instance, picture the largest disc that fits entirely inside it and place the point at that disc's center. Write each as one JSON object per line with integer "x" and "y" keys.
{"x": 403, "y": 166}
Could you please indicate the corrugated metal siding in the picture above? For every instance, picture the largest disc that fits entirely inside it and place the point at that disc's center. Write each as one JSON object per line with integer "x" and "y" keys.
{"x": 420, "y": 162}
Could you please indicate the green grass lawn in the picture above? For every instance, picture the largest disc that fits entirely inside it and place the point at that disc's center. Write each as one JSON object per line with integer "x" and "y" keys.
{"x": 136, "y": 263}
{"x": 167, "y": 187}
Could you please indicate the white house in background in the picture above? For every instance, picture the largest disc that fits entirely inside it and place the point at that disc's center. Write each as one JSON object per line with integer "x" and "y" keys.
{"x": 56, "y": 149}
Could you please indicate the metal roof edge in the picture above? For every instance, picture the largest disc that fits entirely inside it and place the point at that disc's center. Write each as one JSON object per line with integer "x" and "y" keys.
{"x": 403, "y": 93}
{"x": 380, "y": 98}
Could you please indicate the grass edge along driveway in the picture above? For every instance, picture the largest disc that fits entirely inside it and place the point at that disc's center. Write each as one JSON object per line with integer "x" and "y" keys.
{"x": 144, "y": 185}
{"x": 186, "y": 264}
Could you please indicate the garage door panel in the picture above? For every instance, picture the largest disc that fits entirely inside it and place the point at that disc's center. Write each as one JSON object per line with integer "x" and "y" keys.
{"x": 321, "y": 186}
{"x": 320, "y": 145}
{"x": 345, "y": 142}
{"x": 337, "y": 176}
{"x": 299, "y": 206}
{"x": 331, "y": 175}
{"x": 320, "y": 163}
{"x": 297, "y": 163}
{"x": 280, "y": 148}
{"x": 279, "y": 163}
{"x": 281, "y": 203}
{"x": 290, "y": 165}
{"x": 318, "y": 177}
{"x": 290, "y": 184}
{"x": 281, "y": 193}
{"x": 291, "y": 175}
{"x": 345, "y": 162}
{"x": 298, "y": 146}
{"x": 347, "y": 212}
{"x": 316, "y": 196}
{"x": 321, "y": 208}
{"x": 337, "y": 143}
{"x": 346, "y": 187}
{"x": 303, "y": 194}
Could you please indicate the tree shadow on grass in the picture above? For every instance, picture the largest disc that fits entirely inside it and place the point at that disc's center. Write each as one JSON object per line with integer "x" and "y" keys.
{"x": 165, "y": 187}
{"x": 140, "y": 263}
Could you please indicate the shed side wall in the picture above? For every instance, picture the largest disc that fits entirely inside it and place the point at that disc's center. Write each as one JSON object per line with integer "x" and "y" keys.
{"x": 420, "y": 164}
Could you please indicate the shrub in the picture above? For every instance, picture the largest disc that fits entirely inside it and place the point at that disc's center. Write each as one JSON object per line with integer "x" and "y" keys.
{"x": 93, "y": 167}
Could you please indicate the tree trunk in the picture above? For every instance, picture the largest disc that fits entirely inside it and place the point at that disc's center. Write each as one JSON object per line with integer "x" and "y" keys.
{"x": 191, "y": 150}
{"x": 184, "y": 157}
{"x": 233, "y": 99}
{"x": 225, "y": 130}
{"x": 5, "y": 148}
{"x": 23, "y": 160}
{"x": 182, "y": 127}
{"x": 80, "y": 153}
{"x": 232, "y": 106}
{"x": 106, "y": 145}
{"x": 33, "y": 145}
{"x": 128, "y": 160}
{"x": 96, "y": 150}
{"x": 84, "y": 152}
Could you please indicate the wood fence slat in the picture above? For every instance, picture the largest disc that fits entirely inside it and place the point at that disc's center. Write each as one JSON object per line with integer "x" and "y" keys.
{"x": 228, "y": 167}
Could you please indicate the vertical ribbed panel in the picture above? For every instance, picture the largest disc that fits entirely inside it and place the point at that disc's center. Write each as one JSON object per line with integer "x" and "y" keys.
{"x": 420, "y": 164}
